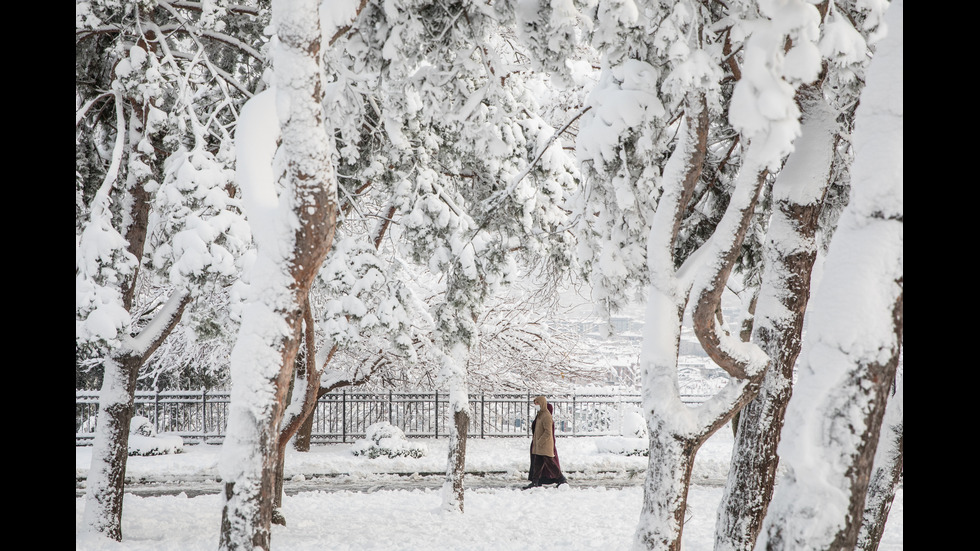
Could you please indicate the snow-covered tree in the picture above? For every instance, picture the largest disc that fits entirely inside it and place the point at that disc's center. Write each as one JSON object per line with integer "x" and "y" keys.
{"x": 154, "y": 206}
{"x": 790, "y": 253}
{"x": 665, "y": 126}
{"x": 288, "y": 179}
{"x": 888, "y": 468}
{"x": 368, "y": 319}
{"x": 852, "y": 349}
{"x": 797, "y": 218}
{"x": 473, "y": 174}
{"x": 364, "y": 312}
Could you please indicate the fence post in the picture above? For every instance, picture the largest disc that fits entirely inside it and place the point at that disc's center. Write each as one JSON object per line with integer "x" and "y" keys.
{"x": 437, "y": 413}
{"x": 343, "y": 417}
{"x": 573, "y": 415}
{"x": 483, "y": 413}
{"x": 391, "y": 412}
{"x": 527, "y": 420}
{"x": 156, "y": 409}
{"x": 204, "y": 414}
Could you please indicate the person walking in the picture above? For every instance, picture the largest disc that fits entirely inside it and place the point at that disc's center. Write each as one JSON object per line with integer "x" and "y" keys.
{"x": 545, "y": 468}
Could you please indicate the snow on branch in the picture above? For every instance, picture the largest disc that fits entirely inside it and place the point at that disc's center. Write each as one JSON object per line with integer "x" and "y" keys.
{"x": 763, "y": 105}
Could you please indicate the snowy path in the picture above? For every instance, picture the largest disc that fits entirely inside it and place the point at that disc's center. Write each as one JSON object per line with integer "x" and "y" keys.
{"x": 491, "y": 463}
{"x": 194, "y": 485}
{"x": 335, "y": 500}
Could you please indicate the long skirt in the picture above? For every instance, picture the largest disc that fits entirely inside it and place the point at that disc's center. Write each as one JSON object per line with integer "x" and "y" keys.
{"x": 545, "y": 470}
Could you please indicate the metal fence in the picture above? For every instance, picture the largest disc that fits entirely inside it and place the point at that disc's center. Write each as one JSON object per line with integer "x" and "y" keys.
{"x": 345, "y": 416}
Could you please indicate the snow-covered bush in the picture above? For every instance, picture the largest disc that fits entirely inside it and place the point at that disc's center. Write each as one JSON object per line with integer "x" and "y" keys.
{"x": 633, "y": 435}
{"x": 633, "y": 424}
{"x": 144, "y": 440}
{"x": 622, "y": 445}
{"x": 383, "y": 438}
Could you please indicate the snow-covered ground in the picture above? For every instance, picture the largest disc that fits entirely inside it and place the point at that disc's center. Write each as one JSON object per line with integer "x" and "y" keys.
{"x": 573, "y": 517}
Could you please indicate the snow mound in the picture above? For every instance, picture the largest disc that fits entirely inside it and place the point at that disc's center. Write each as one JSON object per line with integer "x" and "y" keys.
{"x": 383, "y": 438}
{"x": 622, "y": 445}
{"x": 144, "y": 440}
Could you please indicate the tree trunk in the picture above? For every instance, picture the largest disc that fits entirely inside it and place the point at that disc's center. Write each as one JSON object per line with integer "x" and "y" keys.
{"x": 804, "y": 516}
{"x": 110, "y": 450}
{"x": 887, "y": 474}
{"x": 308, "y": 376}
{"x": 459, "y": 406}
{"x": 855, "y": 334}
{"x": 249, "y": 493}
{"x": 676, "y": 431}
{"x": 790, "y": 253}
{"x": 665, "y": 491}
{"x": 277, "y": 516}
{"x": 303, "y": 436}
{"x": 457, "y": 459}
{"x": 264, "y": 355}
{"x": 103, "y": 508}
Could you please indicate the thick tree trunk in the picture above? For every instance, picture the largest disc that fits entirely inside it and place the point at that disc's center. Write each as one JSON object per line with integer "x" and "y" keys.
{"x": 836, "y": 527}
{"x": 665, "y": 491}
{"x": 790, "y": 253}
{"x": 110, "y": 450}
{"x": 264, "y": 356}
{"x": 103, "y": 508}
{"x": 676, "y": 431}
{"x": 855, "y": 334}
{"x": 249, "y": 497}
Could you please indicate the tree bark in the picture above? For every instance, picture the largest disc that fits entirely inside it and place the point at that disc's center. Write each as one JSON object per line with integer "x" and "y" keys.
{"x": 457, "y": 457}
{"x": 676, "y": 431}
{"x": 790, "y": 253}
{"x": 309, "y": 205}
{"x": 310, "y": 376}
{"x": 855, "y": 334}
{"x": 887, "y": 474}
{"x": 785, "y": 529}
{"x": 668, "y": 478}
{"x": 110, "y": 449}
{"x": 304, "y": 435}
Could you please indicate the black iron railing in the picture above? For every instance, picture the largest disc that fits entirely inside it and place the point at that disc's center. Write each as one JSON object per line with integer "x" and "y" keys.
{"x": 344, "y": 416}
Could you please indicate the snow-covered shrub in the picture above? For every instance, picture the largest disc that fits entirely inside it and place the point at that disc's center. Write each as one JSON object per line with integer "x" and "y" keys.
{"x": 622, "y": 445}
{"x": 144, "y": 440}
{"x": 633, "y": 424}
{"x": 633, "y": 435}
{"x": 383, "y": 438}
